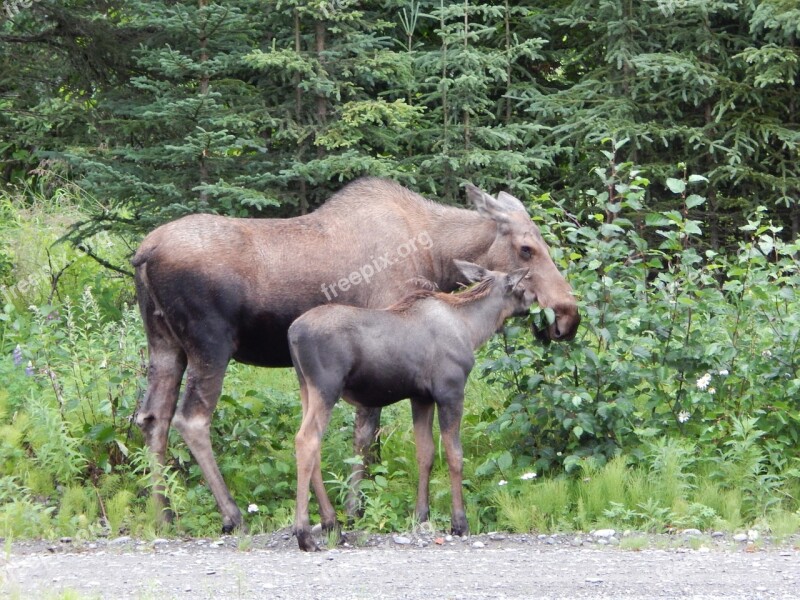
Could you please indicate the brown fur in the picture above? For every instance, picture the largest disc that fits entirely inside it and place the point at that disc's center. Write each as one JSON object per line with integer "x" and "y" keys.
{"x": 466, "y": 296}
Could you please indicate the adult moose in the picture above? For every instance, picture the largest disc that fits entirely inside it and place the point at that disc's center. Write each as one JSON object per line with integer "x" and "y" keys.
{"x": 421, "y": 348}
{"x": 211, "y": 289}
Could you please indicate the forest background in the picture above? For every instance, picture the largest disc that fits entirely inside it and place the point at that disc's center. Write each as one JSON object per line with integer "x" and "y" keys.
{"x": 656, "y": 142}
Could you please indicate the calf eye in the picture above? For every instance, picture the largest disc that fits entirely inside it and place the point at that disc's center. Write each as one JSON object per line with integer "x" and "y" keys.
{"x": 526, "y": 251}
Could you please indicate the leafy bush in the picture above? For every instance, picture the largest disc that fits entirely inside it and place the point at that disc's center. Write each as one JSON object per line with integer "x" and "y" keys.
{"x": 676, "y": 340}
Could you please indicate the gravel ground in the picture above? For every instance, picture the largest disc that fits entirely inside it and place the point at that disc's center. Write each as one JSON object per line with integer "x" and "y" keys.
{"x": 602, "y": 564}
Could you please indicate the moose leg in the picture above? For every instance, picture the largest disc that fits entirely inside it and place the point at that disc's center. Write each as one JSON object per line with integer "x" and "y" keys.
{"x": 193, "y": 421}
{"x": 327, "y": 513}
{"x": 366, "y": 444}
{"x": 167, "y": 362}
{"x": 450, "y": 425}
{"x": 308, "y": 442}
{"x": 422, "y": 414}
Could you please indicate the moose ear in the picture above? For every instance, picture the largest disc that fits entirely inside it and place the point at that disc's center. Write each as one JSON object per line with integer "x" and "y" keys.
{"x": 515, "y": 277}
{"x": 486, "y": 204}
{"x": 471, "y": 271}
{"x": 510, "y": 203}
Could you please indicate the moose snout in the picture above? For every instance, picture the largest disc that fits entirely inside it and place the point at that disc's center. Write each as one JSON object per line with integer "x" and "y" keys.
{"x": 565, "y": 326}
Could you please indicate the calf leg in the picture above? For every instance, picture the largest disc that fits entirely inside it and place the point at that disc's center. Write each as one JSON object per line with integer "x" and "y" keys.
{"x": 450, "y": 425}
{"x": 167, "y": 362}
{"x": 366, "y": 444}
{"x": 308, "y": 442}
{"x": 327, "y": 513}
{"x": 193, "y": 420}
{"x": 422, "y": 414}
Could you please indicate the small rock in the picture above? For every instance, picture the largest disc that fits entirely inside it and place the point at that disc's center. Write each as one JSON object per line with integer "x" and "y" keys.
{"x": 159, "y": 542}
{"x": 66, "y": 540}
{"x": 316, "y": 529}
{"x": 752, "y": 535}
{"x": 541, "y": 536}
{"x": 549, "y": 541}
{"x": 448, "y": 538}
{"x": 497, "y": 537}
{"x": 593, "y": 580}
{"x": 613, "y": 541}
{"x": 717, "y": 534}
{"x": 123, "y": 539}
{"x": 604, "y": 533}
{"x": 603, "y": 541}
{"x": 692, "y": 532}
{"x": 577, "y": 541}
{"x": 740, "y": 537}
{"x": 211, "y": 572}
{"x": 426, "y": 527}
{"x": 401, "y": 539}
{"x": 478, "y": 545}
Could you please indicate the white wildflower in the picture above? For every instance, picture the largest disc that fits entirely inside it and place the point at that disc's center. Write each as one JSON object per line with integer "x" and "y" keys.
{"x": 712, "y": 391}
{"x": 502, "y": 482}
{"x": 253, "y": 508}
{"x": 766, "y": 354}
{"x": 723, "y": 372}
{"x": 683, "y": 416}
{"x": 703, "y": 382}
{"x": 529, "y": 475}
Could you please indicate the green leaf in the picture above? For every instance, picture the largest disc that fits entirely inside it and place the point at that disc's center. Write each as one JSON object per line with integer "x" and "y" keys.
{"x": 505, "y": 460}
{"x": 656, "y": 220}
{"x": 676, "y": 186}
{"x": 697, "y": 178}
{"x": 694, "y": 200}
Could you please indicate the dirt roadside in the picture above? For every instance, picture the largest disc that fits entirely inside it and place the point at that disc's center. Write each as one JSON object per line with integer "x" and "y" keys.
{"x": 407, "y": 566}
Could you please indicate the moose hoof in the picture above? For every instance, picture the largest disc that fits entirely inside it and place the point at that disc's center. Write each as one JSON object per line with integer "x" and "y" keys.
{"x": 229, "y": 526}
{"x": 306, "y": 541}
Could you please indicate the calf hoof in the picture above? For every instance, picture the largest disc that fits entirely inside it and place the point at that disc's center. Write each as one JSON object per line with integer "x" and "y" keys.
{"x": 460, "y": 526}
{"x": 306, "y": 541}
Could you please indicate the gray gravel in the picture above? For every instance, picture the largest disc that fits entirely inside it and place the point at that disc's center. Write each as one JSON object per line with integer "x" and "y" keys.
{"x": 411, "y": 565}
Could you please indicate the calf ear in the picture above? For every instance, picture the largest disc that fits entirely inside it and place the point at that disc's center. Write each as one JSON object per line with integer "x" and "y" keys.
{"x": 515, "y": 277}
{"x": 471, "y": 271}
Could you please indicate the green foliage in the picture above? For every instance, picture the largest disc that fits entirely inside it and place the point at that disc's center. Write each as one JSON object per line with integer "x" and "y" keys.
{"x": 251, "y": 108}
{"x": 675, "y": 340}
{"x": 673, "y": 408}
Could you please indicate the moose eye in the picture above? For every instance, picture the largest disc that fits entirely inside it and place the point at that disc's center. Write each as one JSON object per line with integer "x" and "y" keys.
{"x": 526, "y": 251}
